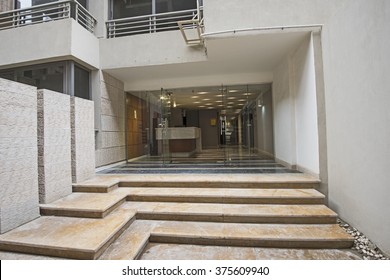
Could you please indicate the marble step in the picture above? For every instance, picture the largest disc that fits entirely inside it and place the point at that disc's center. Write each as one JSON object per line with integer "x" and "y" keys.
{"x": 313, "y": 236}
{"x": 132, "y": 243}
{"x": 85, "y": 205}
{"x": 65, "y": 237}
{"x": 98, "y": 205}
{"x": 233, "y": 213}
{"x": 108, "y": 183}
{"x": 227, "y": 195}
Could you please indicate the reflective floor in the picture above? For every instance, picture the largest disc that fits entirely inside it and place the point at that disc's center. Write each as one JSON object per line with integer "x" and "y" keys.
{"x": 225, "y": 160}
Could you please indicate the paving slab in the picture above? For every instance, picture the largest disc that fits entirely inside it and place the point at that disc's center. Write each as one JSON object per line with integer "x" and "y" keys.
{"x": 78, "y": 238}
{"x": 86, "y": 205}
{"x": 156, "y": 251}
{"x": 227, "y": 195}
{"x": 235, "y": 213}
{"x": 252, "y": 235}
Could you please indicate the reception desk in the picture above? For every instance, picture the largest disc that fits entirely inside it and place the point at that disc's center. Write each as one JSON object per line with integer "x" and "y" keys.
{"x": 183, "y": 141}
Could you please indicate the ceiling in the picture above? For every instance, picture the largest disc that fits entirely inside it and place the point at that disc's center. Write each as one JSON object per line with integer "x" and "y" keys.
{"x": 241, "y": 56}
{"x": 229, "y": 100}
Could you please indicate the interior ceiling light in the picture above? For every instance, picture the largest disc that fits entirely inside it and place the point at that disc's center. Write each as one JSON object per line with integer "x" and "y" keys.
{"x": 241, "y": 100}
{"x": 233, "y": 90}
{"x": 231, "y": 97}
{"x": 203, "y": 92}
{"x": 206, "y": 99}
{"x": 194, "y": 96}
{"x": 219, "y": 101}
{"x": 197, "y": 102}
{"x": 248, "y": 93}
{"x": 209, "y": 104}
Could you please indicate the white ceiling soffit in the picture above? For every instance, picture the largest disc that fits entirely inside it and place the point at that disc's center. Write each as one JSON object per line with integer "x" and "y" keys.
{"x": 239, "y": 59}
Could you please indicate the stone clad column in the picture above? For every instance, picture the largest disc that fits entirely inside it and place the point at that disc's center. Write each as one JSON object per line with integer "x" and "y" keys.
{"x": 18, "y": 155}
{"x": 54, "y": 146}
{"x": 83, "y": 139}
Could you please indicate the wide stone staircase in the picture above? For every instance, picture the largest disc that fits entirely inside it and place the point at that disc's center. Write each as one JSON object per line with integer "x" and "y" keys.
{"x": 116, "y": 217}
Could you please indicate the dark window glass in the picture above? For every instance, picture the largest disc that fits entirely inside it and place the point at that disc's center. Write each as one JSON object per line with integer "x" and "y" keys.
{"x": 131, "y": 8}
{"x": 46, "y": 77}
{"x": 164, "y": 6}
{"x": 81, "y": 82}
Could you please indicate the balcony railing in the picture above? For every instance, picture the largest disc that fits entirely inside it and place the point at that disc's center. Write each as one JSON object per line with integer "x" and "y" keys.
{"x": 149, "y": 23}
{"x": 46, "y": 13}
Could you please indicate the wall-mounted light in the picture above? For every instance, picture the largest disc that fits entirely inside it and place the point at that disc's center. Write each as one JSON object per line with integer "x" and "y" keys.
{"x": 260, "y": 103}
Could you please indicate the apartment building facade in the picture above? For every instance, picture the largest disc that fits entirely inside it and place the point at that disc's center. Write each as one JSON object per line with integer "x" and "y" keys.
{"x": 314, "y": 72}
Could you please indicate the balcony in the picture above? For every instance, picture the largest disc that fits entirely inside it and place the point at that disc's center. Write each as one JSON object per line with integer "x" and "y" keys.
{"x": 47, "y": 13}
{"x": 178, "y": 20}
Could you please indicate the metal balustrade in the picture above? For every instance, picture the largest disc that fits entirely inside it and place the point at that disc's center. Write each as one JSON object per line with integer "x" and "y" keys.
{"x": 149, "y": 23}
{"x": 46, "y": 13}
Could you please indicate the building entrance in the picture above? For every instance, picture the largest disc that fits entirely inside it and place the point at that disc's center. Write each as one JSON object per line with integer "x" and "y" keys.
{"x": 200, "y": 128}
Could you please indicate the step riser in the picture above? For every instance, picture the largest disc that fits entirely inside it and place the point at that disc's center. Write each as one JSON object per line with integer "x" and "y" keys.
{"x": 80, "y": 214}
{"x": 237, "y": 219}
{"x": 237, "y": 185}
{"x": 94, "y": 189}
{"x": 226, "y": 200}
{"x": 279, "y": 243}
{"x": 113, "y": 238}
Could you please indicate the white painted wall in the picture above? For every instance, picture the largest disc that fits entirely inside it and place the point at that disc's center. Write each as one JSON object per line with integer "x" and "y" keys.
{"x": 147, "y": 49}
{"x": 284, "y": 115}
{"x": 50, "y": 41}
{"x": 230, "y": 14}
{"x": 305, "y": 102}
{"x": 356, "y": 46}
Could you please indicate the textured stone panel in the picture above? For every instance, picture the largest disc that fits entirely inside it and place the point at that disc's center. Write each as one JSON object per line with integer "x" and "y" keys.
{"x": 18, "y": 155}
{"x": 54, "y": 146}
{"x": 110, "y": 140}
{"x": 83, "y": 139}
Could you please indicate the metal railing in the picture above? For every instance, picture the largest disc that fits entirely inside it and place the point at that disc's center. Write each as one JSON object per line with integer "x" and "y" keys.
{"x": 149, "y": 23}
{"x": 46, "y": 13}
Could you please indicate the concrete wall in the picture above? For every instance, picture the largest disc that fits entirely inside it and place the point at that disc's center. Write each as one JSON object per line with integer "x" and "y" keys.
{"x": 356, "y": 63}
{"x": 110, "y": 138}
{"x": 210, "y": 134}
{"x": 284, "y": 115}
{"x": 83, "y": 140}
{"x": 6, "y": 5}
{"x": 305, "y": 102}
{"x": 147, "y": 49}
{"x": 266, "y": 13}
{"x": 295, "y": 110}
{"x": 54, "y": 146}
{"x": 18, "y": 155}
{"x": 75, "y": 43}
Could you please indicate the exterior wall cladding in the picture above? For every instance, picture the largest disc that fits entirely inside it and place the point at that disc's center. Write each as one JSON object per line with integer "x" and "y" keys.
{"x": 19, "y": 199}
{"x": 353, "y": 106}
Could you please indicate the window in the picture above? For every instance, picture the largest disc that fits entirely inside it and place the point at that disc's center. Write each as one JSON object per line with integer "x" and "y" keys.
{"x": 134, "y": 8}
{"x": 165, "y": 6}
{"x": 53, "y": 76}
{"x": 131, "y": 8}
{"x": 81, "y": 82}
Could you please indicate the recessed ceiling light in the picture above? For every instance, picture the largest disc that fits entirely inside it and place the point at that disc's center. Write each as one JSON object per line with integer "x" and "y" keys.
{"x": 233, "y": 90}
{"x": 206, "y": 99}
{"x": 241, "y": 100}
{"x": 219, "y": 95}
{"x": 209, "y": 104}
{"x": 231, "y": 97}
{"x": 197, "y": 102}
{"x": 219, "y": 101}
{"x": 210, "y": 108}
{"x": 202, "y": 106}
{"x": 194, "y": 96}
{"x": 203, "y": 92}
{"x": 248, "y": 93}
{"x": 230, "y": 102}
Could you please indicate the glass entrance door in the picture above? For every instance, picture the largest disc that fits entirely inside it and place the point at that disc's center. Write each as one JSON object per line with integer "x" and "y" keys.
{"x": 164, "y": 126}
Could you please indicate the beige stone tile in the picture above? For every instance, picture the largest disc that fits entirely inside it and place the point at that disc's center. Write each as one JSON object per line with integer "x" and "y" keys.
{"x": 67, "y": 237}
